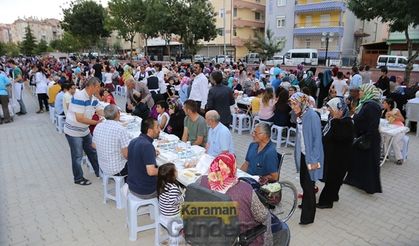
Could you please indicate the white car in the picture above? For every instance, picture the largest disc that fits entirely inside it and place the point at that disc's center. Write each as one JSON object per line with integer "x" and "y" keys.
{"x": 198, "y": 58}
{"x": 275, "y": 61}
{"x": 222, "y": 59}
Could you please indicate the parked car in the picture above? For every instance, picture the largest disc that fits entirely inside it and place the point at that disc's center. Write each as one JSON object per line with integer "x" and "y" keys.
{"x": 198, "y": 58}
{"x": 252, "y": 58}
{"x": 392, "y": 62}
{"x": 275, "y": 61}
{"x": 222, "y": 59}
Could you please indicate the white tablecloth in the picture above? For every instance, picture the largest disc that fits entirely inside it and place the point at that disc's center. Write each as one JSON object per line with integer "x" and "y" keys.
{"x": 390, "y": 129}
{"x": 245, "y": 100}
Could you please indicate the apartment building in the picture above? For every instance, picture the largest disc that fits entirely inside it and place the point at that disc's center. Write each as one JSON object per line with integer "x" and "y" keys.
{"x": 47, "y": 29}
{"x": 321, "y": 24}
{"x": 237, "y": 22}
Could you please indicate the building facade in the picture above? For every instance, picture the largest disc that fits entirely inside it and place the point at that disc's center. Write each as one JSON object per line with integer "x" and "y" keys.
{"x": 47, "y": 29}
{"x": 321, "y": 24}
{"x": 237, "y": 22}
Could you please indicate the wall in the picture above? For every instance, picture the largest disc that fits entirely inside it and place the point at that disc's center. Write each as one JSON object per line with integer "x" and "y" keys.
{"x": 300, "y": 19}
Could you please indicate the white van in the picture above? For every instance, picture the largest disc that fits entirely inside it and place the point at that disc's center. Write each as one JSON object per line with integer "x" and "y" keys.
{"x": 297, "y": 56}
{"x": 252, "y": 58}
{"x": 391, "y": 61}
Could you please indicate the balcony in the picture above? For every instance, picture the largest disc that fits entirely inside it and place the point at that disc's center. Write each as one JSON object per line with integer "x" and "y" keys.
{"x": 317, "y": 28}
{"x": 254, "y": 24}
{"x": 241, "y": 41}
{"x": 240, "y": 4}
{"x": 319, "y": 7}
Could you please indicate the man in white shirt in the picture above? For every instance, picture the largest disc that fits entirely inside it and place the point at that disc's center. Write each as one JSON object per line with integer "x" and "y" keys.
{"x": 219, "y": 136}
{"x": 67, "y": 97}
{"x": 340, "y": 85}
{"x": 111, "y": 141}
{"x": 76, "y": 128}
{"x": 199, "y": 90}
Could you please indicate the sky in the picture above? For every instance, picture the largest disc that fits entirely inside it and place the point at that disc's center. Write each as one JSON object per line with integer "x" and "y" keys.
{"x": 42, "y": 9}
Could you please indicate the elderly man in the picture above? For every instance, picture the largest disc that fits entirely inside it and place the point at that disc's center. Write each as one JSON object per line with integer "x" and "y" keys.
{"x": 111, "y": 142}
{"x": 195, "y": 128}
{"x": 142, "y": 176}
{"x": 219, "y": 136}
{"x": 142, "y": 89}
{"x": 76, "y": 128}
{"x": 262, "y": 158}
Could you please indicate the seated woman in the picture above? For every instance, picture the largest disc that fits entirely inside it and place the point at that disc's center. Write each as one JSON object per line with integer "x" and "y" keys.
{"x": 222, "y": 177}
{"x": 106, "y": 96}
{"x": 395, "y": 117}
{"x": 177, "y": 116}
{"x": 282, "y": 109}
{"x": 266, "y": 110}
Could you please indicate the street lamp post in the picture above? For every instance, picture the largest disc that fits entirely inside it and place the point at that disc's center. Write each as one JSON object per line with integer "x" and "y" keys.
{"x": 327, "y": 36}
{"x": 224, "y": 28}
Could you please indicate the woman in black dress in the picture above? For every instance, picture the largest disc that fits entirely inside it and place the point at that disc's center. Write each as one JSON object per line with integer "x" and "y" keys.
{"x": 364, "y": 171}
{"x": 337, "y": 142}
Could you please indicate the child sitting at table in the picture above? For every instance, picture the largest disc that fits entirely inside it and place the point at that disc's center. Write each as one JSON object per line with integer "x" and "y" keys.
{"x": 170, "y": 196}
{"x": 162, "y": 117}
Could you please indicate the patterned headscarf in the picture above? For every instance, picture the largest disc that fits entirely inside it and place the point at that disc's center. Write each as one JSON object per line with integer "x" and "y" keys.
{"x": 370, "y": 93}
{"x": 302, "y": 100}
{"x": 337, "y": 103}
{"x": 222, "y": 173}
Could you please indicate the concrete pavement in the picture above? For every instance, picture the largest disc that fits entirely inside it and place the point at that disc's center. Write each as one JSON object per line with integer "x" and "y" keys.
{"x": 40, "y": 205}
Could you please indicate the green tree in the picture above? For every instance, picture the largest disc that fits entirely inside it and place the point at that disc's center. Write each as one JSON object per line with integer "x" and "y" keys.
{"x": 85, "y": 19}
{"x": 399, "y": 14}
{"x": 41, "y": 47}
{"x": 197, "y": 22}
{"x": 3, "y": 49}
{"x": 265, "y": 46}
{"x": 28, "y": 45}
{"x": 12, "y": 49}
{"x": 70, "y": 43}
{"x": 127, "y": 17}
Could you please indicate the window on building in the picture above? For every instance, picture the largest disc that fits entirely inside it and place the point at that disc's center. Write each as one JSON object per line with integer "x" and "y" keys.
{"x": 258, "y": 1}
{"x": 257, "y": 16}
{"x": 281, "y": 2}
{"x": 220, "y": 31}
{"x": 234, "y": 31}
{"x": 280, "y": 21}
{"x": 308, "y": 21}
{"x": 308, "y": 43}
{"x": 325, "y": 20}
{"x": 235, "y": 12}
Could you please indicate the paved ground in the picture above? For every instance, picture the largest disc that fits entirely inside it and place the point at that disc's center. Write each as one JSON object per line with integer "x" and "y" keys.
{"x": 40, "y": 205}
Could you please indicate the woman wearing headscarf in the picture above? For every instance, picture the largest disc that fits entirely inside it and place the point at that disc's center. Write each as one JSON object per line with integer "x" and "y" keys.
{"x": 127, "y": 73}
{"x": 337, "y": 143}
{"x": 324, "y": 86}
{"x": 364, "y": 171}
{"x": 308, "y": 153}
{"x": 310, "y": 83}
{"x": 222, "y": 177}
{"x": 293, "y": 79}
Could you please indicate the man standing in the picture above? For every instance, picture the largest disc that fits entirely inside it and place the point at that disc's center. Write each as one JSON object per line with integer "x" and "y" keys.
{"x": 4, "y": 98}
{"x": 220, "y": 97}
{"x": 18, "y": 85}
{"x": 76, "y": 129}
{"x": 195, "y": 128}
{"x": 111, "y": 142}
{"x": 262, "y": 158}
{"x": 98, "y": 70}
{"x": 219, "y": 136}
{"x": 199, "y": 89}
{"x": 142, "y": 175}
{"x": 59, "y": 99}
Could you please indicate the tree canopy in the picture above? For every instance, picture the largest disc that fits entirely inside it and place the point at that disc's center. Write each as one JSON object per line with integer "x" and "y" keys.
{"x": 85, "y": 19}
{"x": 399, "y": 14}
{"x": 28, "y": 45}
{"x": 266, "y": 46}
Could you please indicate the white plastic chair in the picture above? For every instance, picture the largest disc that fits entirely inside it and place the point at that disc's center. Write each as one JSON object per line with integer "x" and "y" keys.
{"x": 59, "y": 123}
{"x": 288, "y": 141}
{"x": 52, "y": 114}
{"x": 276, "y": 135}
{"x": 119, "y": 182}
{"x": 241, "y": 122}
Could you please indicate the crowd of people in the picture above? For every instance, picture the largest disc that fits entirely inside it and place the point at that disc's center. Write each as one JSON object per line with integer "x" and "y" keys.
{"x": 196, "y": 102}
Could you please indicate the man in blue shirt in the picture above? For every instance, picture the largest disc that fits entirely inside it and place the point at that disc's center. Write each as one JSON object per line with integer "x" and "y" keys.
{"x": 4, "y": 98}
{"x": 262, "y": 158}
{"x": 59, "y": 99}
{"x": 276, "y": 82}
{"x": 142, "y": 175}
{"x": 219, "y": 136}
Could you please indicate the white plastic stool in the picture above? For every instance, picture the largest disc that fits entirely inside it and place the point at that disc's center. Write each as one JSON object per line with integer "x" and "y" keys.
{"x": 52, "y": 114}
{"x": 276, "y": 135}
{"x": 257, "y": 119}
{"x": 86, "y": 161}
{"x": 121, "y": 90}
{"x": 119, "y": 182}
{"x": 118, "y": 90}
{"x": 133, "y": 204}
{"x": 288, "y": 141}
{"x": 175, "y": 227}
{"x": 241, "y": 122}
{"x": 59, "y": 123}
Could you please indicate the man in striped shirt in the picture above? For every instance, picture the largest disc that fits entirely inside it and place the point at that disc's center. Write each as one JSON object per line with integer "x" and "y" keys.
{"x": 76, "y": 129}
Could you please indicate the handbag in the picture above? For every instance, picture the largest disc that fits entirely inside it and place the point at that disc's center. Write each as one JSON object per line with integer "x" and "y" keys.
{"x": 362, "y": 142}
